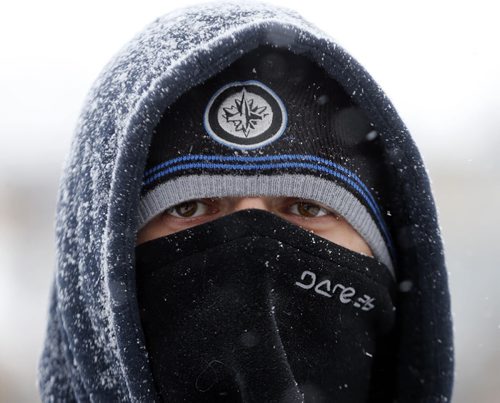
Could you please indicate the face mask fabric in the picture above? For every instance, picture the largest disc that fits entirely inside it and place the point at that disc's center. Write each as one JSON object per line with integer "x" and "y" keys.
{"x": 252, "y": 308}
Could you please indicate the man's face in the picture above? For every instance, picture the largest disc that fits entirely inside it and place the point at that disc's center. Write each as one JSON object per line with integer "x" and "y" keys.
{"x": 307, "y": 214}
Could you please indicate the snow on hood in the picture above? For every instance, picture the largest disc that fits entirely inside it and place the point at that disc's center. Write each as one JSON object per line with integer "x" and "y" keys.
{"x": 94, "y": 348}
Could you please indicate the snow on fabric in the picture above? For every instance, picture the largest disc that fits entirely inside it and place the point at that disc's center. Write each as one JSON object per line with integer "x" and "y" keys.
{"x": 94, "y": 348}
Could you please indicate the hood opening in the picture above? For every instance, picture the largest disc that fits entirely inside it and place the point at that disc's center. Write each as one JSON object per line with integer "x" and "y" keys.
{"x": 94, "y": 298}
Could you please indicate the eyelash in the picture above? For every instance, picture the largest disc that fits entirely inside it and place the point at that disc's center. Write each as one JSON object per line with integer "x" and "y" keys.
{"x": 301, "y": 204}
{"x": 173, "y": 210}
{"x": 293, "y": 208}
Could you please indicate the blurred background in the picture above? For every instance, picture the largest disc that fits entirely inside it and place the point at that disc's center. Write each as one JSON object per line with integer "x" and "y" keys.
{"x": 439, "y": 63}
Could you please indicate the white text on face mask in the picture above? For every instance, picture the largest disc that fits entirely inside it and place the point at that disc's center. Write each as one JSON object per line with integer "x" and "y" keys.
{"x": 345, "y": 294}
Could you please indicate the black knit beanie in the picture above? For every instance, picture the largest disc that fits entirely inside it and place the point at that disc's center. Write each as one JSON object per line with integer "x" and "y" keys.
{"x": 273, "y": 123}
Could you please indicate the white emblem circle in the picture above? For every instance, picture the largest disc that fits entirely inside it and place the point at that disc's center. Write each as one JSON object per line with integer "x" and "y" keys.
{"x": 230, "y": 103}
{"x": 244, "y": 115}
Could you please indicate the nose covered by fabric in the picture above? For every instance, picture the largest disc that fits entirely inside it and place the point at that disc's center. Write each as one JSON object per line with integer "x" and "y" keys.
{"x": 252, "y": 308}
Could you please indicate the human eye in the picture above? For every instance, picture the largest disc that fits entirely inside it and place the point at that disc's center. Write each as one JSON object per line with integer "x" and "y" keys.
{"x": 308, "y": 209}
{"x": 188, "y": 209}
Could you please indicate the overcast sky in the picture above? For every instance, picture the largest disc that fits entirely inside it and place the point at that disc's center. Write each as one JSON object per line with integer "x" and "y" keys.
{"x": 438, "y": 61}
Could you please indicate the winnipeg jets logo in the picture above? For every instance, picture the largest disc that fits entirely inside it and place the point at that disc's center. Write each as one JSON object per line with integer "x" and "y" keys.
{"x": 245, "y": 115}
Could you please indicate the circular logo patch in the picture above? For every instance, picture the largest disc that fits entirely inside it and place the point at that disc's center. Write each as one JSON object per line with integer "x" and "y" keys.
{"x": 245, "y": 115}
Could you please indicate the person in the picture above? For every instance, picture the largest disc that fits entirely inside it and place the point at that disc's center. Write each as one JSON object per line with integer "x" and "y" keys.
{"x": 244, "y": 217}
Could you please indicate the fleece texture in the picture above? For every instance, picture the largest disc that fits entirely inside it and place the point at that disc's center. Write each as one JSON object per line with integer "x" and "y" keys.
{"x": 94, "y": 348}
{"x": 252, "y": 308}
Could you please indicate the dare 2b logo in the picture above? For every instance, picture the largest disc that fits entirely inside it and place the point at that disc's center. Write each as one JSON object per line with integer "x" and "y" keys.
{"x": 346, "y": 295}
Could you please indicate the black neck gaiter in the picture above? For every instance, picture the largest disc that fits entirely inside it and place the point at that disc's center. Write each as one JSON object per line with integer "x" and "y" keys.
{"x": 252, "y": 308}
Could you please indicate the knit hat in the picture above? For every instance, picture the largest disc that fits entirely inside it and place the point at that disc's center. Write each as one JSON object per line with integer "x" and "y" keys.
{"x": 273, "y": 123}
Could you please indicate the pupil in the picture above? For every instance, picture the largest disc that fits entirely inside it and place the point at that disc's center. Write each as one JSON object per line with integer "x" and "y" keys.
{"x": 186, "y": 209}
{"x": 308, "y": 210}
